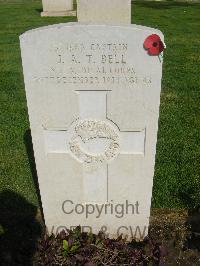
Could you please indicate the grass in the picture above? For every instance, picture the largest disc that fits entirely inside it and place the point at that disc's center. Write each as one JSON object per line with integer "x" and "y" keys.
{"x": 177, "y": 181}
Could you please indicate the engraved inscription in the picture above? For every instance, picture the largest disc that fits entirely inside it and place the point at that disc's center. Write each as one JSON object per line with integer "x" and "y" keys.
{"x": 90, "y": 64}
{"x": 87, "y": 130}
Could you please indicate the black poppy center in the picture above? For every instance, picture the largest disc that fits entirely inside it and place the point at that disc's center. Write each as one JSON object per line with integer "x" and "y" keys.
{"x": 155, "y": 44}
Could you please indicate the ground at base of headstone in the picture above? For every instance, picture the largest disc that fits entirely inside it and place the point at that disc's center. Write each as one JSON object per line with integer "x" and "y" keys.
{"x": 173, "y": 239}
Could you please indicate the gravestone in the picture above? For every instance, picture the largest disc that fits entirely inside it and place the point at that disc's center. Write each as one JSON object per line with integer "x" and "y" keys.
{"x": 107, "y": 11}
{"x": 56, "y": 8}
{"x": 93, "y": 95}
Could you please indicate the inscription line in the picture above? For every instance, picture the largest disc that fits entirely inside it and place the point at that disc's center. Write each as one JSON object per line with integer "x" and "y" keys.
{"x": 93, "y": 90}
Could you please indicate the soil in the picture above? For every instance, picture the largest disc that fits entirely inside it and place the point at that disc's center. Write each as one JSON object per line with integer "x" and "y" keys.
{"x": 174, "y": 239}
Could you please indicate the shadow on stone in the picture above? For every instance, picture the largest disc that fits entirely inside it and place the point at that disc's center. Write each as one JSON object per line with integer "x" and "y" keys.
{"x": 31, "y": 158}
{"x": 19, "y": 229}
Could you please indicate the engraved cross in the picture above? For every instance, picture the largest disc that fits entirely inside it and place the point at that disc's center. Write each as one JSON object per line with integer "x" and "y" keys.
{"x": 95, "y": 141}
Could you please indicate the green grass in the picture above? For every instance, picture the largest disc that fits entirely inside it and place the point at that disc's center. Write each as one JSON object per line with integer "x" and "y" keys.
{"x": 177, "y": 182}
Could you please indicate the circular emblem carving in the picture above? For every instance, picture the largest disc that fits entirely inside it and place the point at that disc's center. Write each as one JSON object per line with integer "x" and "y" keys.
{"x": 86, "y": 131}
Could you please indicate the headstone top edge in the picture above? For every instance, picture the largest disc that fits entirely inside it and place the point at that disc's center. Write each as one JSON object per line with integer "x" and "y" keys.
{"x": 78, "y": 24}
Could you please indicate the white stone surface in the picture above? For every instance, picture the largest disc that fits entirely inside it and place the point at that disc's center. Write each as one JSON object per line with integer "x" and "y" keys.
{"x": 109, "y": 11}
{"x": 93, "y": 97}
{"x": 57, "y": 8}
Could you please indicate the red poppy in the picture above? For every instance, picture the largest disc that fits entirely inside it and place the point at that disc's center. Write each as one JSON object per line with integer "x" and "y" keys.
{"x": 153, "y": 44}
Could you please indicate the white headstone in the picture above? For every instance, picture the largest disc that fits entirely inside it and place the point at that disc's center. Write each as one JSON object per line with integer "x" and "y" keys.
{"x": 107, "y": 11}
{"x": 93, "y": 96}
{"x": 55, "y": 8}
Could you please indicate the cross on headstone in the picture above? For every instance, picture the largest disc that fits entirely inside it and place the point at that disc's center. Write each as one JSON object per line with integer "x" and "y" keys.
{"x": 79, "y": 111}
{"x": 105, "y": 142}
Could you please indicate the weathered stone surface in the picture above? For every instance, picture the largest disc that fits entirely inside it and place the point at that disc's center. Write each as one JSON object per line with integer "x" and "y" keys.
{"x": 93, "y": 96}
{"x": 56, "y": 8}
{"x": 107, "y": 11}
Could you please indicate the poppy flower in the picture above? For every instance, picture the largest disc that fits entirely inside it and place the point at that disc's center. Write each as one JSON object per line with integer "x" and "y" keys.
{"x": 153, "y": 44}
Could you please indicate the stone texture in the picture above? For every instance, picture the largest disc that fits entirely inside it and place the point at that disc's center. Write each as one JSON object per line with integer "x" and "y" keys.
{"x": 93, "y": 97}
{"x": 108, "y": 11}
{"x": 52, "y": 8}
